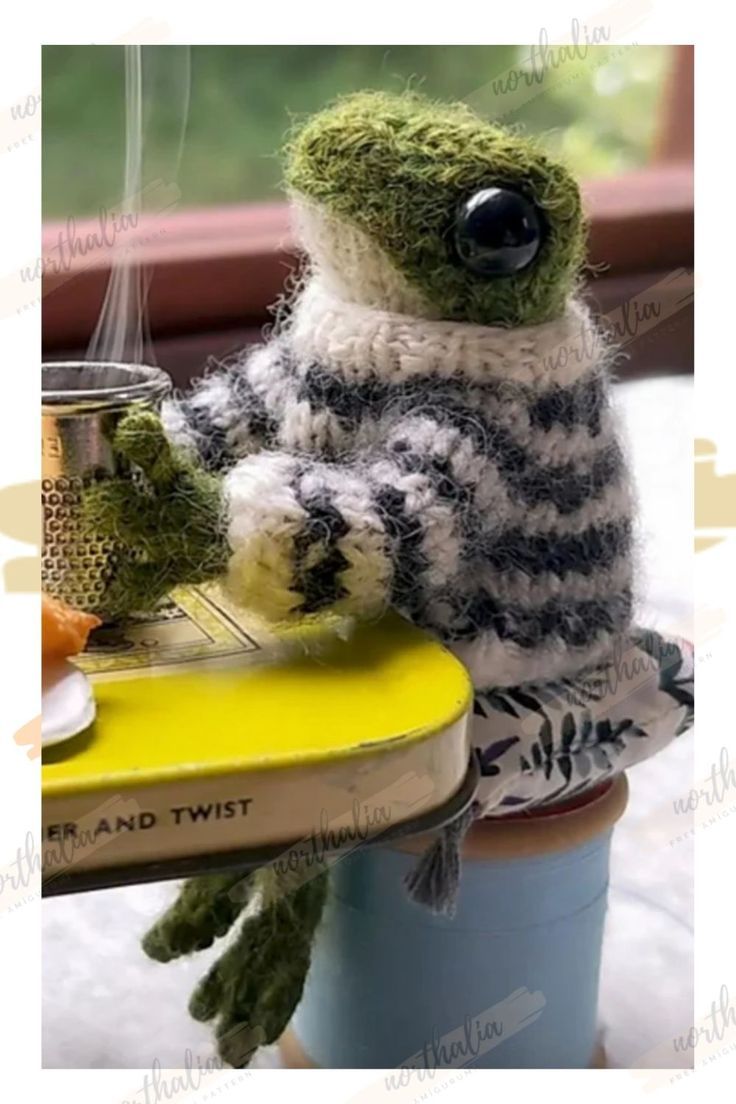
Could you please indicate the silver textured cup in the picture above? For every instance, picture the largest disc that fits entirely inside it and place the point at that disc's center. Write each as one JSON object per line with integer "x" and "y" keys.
{"x": 81, "y": 404}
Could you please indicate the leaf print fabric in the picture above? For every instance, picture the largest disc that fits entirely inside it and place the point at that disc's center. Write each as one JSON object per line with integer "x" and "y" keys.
{"x": 541, "y": 744}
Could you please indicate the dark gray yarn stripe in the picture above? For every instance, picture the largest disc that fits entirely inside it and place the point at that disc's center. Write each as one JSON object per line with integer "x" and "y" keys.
{"x": 250, "y": 404}
{"x": 581, "y": 404}
{"x": 561, "y": 485}
{"x": 561, "y": 554}
{"x": 349, "y": 402}
{"x": 577, "y": 624}
{"x": 210, "y": 440}
{"x": 246, "y": 408}
{"x": 320, "y": 583}
{"x": 410, "y": 563}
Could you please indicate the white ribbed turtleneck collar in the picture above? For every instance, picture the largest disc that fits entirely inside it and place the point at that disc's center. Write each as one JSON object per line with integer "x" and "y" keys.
{"x": 358, "y": 342}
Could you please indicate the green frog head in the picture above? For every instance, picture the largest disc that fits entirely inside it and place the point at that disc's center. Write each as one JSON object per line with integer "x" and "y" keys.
{"x": 429, "y": 210}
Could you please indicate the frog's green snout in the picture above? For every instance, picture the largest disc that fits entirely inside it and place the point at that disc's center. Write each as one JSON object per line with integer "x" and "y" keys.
{"x": 477, "y": 222}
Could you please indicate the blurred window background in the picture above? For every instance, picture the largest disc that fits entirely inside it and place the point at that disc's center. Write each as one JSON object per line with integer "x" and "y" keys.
{"x": 598, "y": 107}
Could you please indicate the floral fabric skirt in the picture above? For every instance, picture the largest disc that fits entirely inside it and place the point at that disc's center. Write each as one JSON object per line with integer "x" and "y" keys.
{"x": 544, "y": 743}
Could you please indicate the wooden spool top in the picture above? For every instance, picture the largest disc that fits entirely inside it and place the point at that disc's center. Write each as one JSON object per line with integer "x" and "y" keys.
{"x": 520, "y": 836}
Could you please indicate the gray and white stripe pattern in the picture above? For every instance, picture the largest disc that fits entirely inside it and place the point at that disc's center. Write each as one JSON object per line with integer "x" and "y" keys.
{"x": 487, "y": 503}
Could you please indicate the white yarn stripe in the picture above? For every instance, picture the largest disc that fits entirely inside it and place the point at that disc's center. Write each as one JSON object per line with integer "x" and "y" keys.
{"x": 367, "y": 578}
{"x": 309, "y": 430}
{"x": 264, "y": 520}
{"x": 441, "y": 543}
{"x": 492, "y": 662}
{"x": 265, "y": 372}
{"x": 517, "y": 588}
{"x": 176, "y": 427}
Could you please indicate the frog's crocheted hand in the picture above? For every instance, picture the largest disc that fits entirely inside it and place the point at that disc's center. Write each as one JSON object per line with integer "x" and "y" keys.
{"x": 173, "y": 518}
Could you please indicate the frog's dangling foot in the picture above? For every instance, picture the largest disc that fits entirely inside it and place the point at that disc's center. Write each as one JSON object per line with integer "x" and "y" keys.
{"x": 205, "y": 910}
{"x": 255, "y": 986}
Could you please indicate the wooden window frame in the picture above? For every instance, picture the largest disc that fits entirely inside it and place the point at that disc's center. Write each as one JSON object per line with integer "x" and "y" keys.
{"x": 214, "y": 272}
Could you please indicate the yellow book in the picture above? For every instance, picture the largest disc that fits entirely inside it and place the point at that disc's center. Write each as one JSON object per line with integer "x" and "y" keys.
{"x": 217, "y": 742}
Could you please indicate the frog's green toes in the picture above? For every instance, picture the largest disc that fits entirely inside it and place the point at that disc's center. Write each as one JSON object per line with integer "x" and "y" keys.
{"x": 205, "y": 910}
{"x": 141, "y": 439}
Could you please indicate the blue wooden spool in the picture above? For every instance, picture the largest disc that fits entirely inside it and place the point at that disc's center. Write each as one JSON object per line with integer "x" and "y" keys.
{"x": 511, "y": 981}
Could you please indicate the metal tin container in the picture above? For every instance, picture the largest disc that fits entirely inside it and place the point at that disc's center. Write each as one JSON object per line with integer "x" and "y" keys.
{"x": 81, "y": 404}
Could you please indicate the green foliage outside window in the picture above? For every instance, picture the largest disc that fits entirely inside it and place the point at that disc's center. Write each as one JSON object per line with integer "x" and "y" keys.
{"x": 598, "y": 111}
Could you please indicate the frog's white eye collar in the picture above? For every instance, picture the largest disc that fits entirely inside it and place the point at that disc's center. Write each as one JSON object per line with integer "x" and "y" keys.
{"x": 350, "y": 264}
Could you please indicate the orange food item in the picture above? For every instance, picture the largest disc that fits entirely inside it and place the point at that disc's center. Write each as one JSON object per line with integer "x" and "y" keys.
{"x": 64, "y": 630}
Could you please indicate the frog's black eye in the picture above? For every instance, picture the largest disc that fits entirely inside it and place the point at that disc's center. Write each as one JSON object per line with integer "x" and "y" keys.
{"x": 497, "y": 232}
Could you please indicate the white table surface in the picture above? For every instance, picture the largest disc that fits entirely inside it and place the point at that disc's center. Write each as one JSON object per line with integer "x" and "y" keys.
{"x": 107, "y": 1006}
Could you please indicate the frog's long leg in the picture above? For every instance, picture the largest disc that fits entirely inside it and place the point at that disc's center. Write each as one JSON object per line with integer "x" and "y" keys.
{"x": 255, "y": 986}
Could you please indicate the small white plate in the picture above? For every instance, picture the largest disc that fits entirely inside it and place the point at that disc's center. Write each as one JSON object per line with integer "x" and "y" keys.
{"x": 67, "y": 703}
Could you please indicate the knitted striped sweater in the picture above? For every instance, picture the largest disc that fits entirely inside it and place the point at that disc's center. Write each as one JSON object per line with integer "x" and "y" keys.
{"x": 468, "y": 476}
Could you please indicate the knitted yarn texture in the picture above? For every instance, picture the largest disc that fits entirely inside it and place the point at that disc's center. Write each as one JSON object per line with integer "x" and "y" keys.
{"x": 413, "y": 435}
{"x": 395, "y": 168}
{"x": 471, "y": 477}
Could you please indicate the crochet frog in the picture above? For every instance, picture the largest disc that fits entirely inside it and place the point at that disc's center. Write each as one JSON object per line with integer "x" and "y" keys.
{"x": 428, "y": 428}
